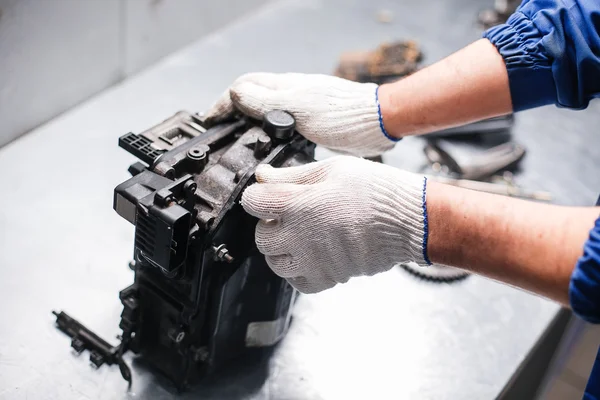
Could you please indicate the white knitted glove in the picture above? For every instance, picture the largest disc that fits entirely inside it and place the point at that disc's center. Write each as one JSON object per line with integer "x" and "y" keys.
{"x": 333, "y": 112}
{"x": 325, "y": 222}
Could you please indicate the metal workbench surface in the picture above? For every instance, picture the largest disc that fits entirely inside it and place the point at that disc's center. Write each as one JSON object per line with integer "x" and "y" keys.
{"x": 390, "y": 336}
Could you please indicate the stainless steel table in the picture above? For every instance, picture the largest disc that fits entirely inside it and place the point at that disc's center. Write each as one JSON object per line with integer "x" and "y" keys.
{"x": 391, "y": 336}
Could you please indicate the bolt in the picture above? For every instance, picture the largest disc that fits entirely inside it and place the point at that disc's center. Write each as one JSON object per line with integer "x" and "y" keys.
{"x": 222, "y": 254}
{"x": 262, "y": 146}
{"x": 196, "y": 154}
{"x": 164, "y": 197}
{"x": 198, "y": 157}
{"x": 190, "y": 187}
{"x": 132, "y": 265}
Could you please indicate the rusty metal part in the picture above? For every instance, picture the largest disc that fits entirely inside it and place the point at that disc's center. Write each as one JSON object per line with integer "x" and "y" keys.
{"x": 390, "y": 61}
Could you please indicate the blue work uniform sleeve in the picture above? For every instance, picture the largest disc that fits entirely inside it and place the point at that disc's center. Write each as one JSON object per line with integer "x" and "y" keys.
{"x": 584, "y": 289}
{"x": 552, "y": 52}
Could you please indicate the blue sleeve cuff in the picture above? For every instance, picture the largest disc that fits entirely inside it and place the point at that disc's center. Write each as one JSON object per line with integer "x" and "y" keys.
{"x": 552, "y": 52}
{"x": 584, "y": 289}
{"x": 529, "y": 68}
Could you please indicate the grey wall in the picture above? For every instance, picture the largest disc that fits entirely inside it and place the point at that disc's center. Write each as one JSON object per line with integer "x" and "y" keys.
{"x": 56, "y": 53}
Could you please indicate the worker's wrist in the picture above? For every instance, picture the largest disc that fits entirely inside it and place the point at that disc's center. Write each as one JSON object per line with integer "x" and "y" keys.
{"x": 387, "y": 111}
{"x": 441, "y": 228}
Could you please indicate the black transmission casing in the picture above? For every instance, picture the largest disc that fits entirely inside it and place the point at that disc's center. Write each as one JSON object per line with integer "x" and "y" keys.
{"x": 202, "y": 294}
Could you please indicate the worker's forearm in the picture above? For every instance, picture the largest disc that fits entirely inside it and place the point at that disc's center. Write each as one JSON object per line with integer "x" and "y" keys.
{"x": 469, "y": 85}
{"x": 529, "y": 245}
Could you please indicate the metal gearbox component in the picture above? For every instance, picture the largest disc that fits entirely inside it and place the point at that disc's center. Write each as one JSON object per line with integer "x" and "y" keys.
{"x": 203, "y": 294}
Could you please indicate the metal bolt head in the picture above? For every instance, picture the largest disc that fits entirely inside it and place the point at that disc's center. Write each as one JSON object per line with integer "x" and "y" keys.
{"x": 198, "y": 157}
{"x": 222, "y": 254}
{"x": 190, "y": 187}
{"x": 196, "y": 153}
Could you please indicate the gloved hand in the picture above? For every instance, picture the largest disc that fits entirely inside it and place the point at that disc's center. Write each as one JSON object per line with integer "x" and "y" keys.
{"x": 333, "y": 112}
{"x": 325, "y": 222}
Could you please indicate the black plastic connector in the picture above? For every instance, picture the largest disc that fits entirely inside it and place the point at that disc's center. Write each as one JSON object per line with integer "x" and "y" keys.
{"x": 140, "y": 146}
